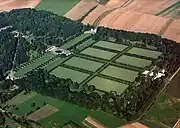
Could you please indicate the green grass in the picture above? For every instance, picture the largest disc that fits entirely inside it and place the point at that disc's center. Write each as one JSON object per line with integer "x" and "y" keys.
{"x": 75, "y": 41}
{"x": 144, "y": 52}
{"x": 113, "y": 46}
{"x": 166, "y": 109}
{"x": 59, "y": 7}
{"x": 67, "y": 112}
{"x": 134, "y": 61}
{"x": 108, "y": 85}
{"x": 36, "y": 63}
{"x": 98, "y": 53}
{"x": 83, "y": 63}
{"x": 120, "y": 73}
{"x": 68, "y": 73}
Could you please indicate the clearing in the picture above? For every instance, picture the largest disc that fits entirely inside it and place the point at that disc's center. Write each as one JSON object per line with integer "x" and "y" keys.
{"x": 108, "y": 85}
{"x": 145, "y": 52}
{"x": 98, "y": 53}
{"x": 121, "y": 73}
{"x": 109, "y": 45}
{"x": 83, "y": 63}
{"x": 62, "y": 72}
{"x": 133, "y": 61}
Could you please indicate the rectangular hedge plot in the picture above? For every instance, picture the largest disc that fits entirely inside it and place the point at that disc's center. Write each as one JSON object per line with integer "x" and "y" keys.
{"x": 62, "y": 72}
{"x": 121, "y": 73}
{"x": 144, "y": 52}
{"x": 98, "y": 53}
{"x": 108, "y": 85}
{"x": 109, "y": 45}
{"x": 83, "y": 63}
{"x": 134, "y": 61}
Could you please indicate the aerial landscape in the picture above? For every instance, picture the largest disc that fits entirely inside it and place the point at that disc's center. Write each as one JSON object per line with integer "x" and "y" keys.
{"x": 89, "y": 64}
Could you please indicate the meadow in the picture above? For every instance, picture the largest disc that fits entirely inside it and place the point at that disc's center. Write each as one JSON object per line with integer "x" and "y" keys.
{"x": 60, "y": 7}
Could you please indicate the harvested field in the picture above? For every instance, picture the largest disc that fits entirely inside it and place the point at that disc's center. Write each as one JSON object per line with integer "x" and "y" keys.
{"x": 149, "y": 24}
{"x": 94, "y": 122}
{"x": 145, "y": 6}
{"x": 98, "y": 53}
{"x": 7, "y": 5}
{"x": 134, "y": 61}
{"x": 108, "y": 85}
{"x": 145, "y": 52}
{"x": 108, "y": 45}
{"x": 68, "y": 73}
{"x": 115, "y": 3}
{"x": 134, "y": 125}
{"x": 83, "y": 63}
{"x": 173, "y": 31}
{"x": 95, "y": 14}
{"x": 121, "y": 73}
{"x": 80, "y": 9}
{"x": 43, "y": 112}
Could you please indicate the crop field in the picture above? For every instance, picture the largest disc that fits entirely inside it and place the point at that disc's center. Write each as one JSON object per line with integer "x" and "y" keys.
{"x": 34, "y": 64}
{"x": 108, "y": 85}
{"x": 145, "y": 52}
{"x": 59, "y": 7}
{"x": 98, "y": 53}
{"x": 66, "y": 112}
{"x": 134, "y": 61}
{"x": 68, "y": 73}
{"x": 83, "y": 63}
{"x": 108, "y": 45}
{"x": 121, "y": 73}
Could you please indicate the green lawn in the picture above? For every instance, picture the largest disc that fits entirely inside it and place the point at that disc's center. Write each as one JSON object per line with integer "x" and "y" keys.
{"x": 109, "y": 45}
{"x": 68, "y": 73}
{"x": 67, "y": 112}
{"x": 75, "y": 41}
{"x": 108, "y": 85}
{"x": 36, "y": 63}
{"x": 98, "y": 53}
{"x": 134, "y": 61}
{"x": 59, "y": 7}
{"x": 120, "y": 73}
{"x": 83, "y": 63}
{"x": 144, "y": 52}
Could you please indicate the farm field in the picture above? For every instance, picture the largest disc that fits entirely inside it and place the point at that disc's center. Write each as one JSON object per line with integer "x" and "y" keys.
{"x": 80, "y": 9}
{"x": 165, "y": 106}
{"x": 68, "y": 73}
{"x": 21, "y": 72}
{"x": 83, "y": 63}
{"x": 134, "y": 61}
{"x": 145, "y": 52}
{"x": 173, "y": 31}
{"x": 121, "y": 73}
{"x": 109, "y": 45}
{"x": 108, "y": 85}
{"x": 67, "y": 112}
{"x": 98, "y": 53}
{"x": 59, "y": 7}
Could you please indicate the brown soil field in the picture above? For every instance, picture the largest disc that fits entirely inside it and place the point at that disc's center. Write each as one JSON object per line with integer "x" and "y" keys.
{"x": 144, "y": 6}
{"x": 173, "y": 31}
{"x": 43, "y": 112}
{"x": 80, "y": 9}
{"x": 95, "y": 14}
{"x": 134, "y": 21}
{"x": 115, "y": 3}
{"x": 134, "y": 125}
{"x": 94, "y": 122}
{"x": 7, "y": 5}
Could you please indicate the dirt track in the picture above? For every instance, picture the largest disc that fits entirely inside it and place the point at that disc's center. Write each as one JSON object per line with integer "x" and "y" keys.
{"x": 7, "y": 5}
